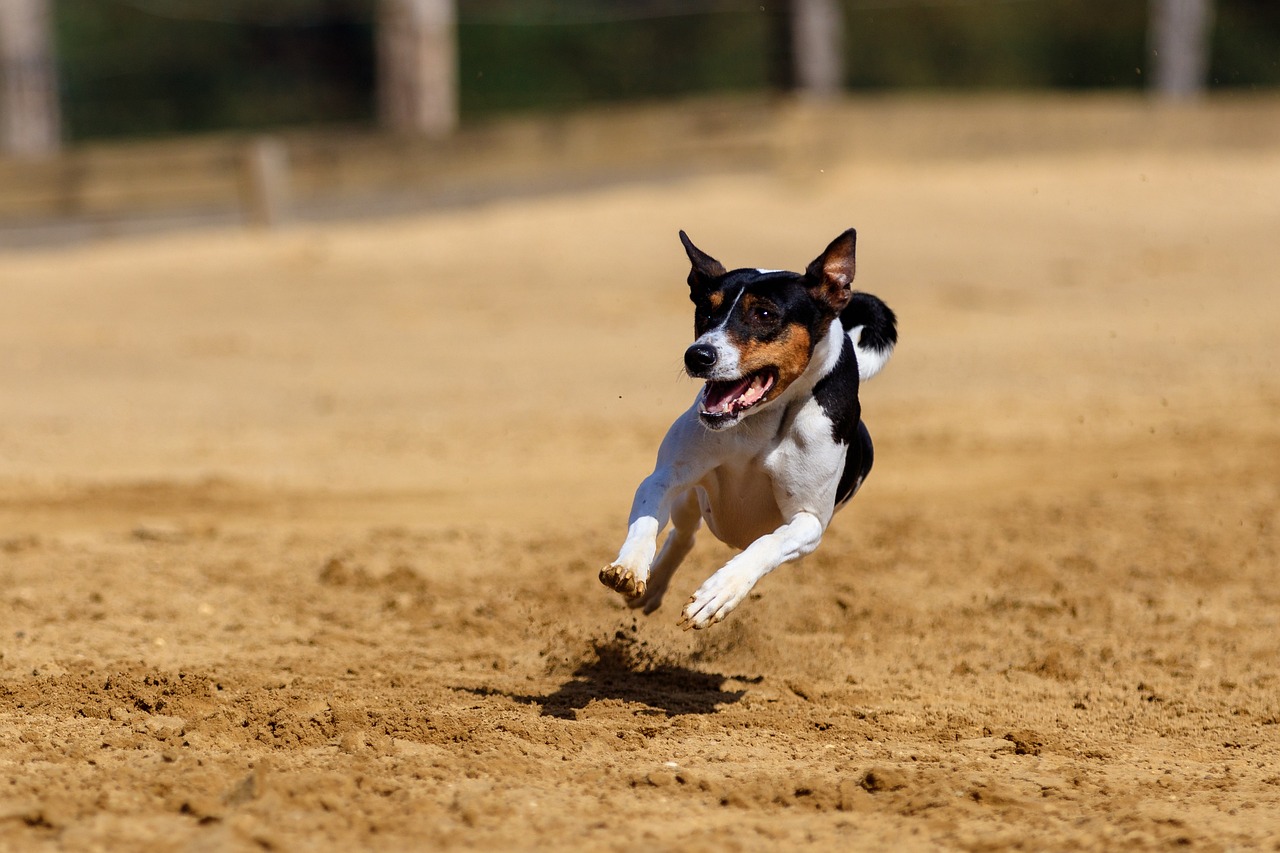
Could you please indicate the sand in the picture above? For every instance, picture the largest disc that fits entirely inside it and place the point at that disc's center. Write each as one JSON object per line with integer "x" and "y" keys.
{"x": 299, "y": 530}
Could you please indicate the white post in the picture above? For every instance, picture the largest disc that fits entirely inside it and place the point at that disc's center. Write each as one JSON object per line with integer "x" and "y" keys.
{"x": 417, "y": 66}
{"x": 817, "y": 28}
{"x": 1179, "y": 41}
{"x": 266, "y": 164}
{"x": 30, "y": 123}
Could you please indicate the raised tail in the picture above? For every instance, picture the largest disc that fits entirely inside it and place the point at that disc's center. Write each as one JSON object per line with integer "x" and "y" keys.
{"x": 873, "y": 328}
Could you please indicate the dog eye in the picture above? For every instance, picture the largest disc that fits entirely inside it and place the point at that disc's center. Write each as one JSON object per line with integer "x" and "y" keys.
{"x": 764, "y": 315}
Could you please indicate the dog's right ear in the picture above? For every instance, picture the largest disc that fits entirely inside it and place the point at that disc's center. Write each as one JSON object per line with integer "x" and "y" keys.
{"x": 705, "y": 270}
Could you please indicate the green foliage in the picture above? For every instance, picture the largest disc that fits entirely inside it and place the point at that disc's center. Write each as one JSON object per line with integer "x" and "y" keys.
{"x": 1246, "y": 44}
{"x": 179, "y": 66}
{"x": 1069, "y": 43}
{"x": 507, "y": 67}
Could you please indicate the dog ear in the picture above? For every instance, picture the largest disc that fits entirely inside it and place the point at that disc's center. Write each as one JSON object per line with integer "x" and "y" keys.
{"x": 830, "y": 276}
{"x": 705, "y": 268}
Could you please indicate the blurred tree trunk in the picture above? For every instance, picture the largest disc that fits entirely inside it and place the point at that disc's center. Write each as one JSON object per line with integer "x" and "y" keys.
{"x": 817, "y": 28}
{"x": 417, "y": 66}
{"x": 806, "y": 44}
{"x": 29, "y": 117}
{"x": 1178, "y": 36}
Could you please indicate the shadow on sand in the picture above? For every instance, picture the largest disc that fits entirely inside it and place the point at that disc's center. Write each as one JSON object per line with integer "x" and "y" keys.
{"x": 620, "y": 672}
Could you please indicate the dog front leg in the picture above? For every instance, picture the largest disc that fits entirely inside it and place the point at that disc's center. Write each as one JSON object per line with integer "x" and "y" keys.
{"x": 723, "y": 591}
{"x": 686, "y": 518}
{"x": 629, "y": 573}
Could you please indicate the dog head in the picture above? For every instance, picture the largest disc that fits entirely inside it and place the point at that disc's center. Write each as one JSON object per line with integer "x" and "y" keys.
{"x": 757, "y": 329}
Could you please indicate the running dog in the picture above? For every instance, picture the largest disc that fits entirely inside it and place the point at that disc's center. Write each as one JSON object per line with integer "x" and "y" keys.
{"x": 774, "y": 444}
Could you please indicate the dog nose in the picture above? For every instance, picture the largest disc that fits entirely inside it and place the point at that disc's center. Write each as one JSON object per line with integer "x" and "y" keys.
{"x": 699, "y": 357}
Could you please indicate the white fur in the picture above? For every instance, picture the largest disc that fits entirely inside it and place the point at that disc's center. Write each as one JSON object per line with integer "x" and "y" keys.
{"x": 767, "y": 486}
{"x": 727, "y": 364}
{"x": 870, "y": 360}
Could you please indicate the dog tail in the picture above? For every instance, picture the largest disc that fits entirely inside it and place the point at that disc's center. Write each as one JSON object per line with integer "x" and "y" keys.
{"x": 873, "y": 328}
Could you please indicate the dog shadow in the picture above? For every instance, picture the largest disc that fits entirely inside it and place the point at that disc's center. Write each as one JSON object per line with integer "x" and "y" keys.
{"x": 620, "y": 671}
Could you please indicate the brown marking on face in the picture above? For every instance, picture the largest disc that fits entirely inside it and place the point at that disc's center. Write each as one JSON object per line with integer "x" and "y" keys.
{"x": 705, "y": 309}
{"x": 788, "y": 353}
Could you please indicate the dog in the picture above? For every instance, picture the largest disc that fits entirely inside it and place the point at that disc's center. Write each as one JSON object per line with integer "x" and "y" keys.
{"x": 774, "y": 444}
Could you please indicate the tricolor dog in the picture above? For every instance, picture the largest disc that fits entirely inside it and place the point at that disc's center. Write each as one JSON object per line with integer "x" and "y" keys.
{"x": 774, "y": 444}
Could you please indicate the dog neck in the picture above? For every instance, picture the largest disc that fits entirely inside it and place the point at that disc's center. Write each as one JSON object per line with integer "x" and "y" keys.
{"x": 781, "y": 411}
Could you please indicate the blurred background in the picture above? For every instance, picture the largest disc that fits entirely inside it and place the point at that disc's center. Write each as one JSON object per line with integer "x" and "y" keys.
{"x": 129, "y": 68}
{"x": 322, "y": 108}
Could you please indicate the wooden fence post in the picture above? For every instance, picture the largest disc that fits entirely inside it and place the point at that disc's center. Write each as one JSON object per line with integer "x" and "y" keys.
{"x": 266, "y": 182}
{"x": 1178, "y": 38}
{"x": 817, "y": 28}
{"x": 30, "y": 122}
{"x": 417, "y": 66}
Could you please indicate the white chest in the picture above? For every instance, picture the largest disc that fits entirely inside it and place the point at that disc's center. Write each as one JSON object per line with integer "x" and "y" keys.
{"x": 738, "y": 502}
{"x": 752, "y": 493}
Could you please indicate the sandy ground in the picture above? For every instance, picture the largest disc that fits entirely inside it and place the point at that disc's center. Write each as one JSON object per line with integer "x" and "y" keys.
{"x": 299, "y": 531}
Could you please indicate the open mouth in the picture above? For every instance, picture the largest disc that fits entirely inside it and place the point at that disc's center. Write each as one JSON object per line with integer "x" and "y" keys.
{"x": 724, "y": 399}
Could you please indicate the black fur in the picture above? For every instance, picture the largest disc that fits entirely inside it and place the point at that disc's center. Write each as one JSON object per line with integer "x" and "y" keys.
{"x": 857, "y": 465}
{"x": 880, "y": 325}
{"x": 837, "y": 394}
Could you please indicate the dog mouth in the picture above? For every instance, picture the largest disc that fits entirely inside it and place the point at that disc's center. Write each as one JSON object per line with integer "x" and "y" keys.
{"x": 727, "y": 398}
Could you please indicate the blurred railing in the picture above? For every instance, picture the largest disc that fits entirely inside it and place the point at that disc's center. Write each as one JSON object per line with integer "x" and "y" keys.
{"x": 106, "y": 189}
{"x": 120, "y": 188}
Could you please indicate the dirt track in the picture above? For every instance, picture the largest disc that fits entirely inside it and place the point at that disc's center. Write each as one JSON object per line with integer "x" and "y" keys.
{"x": 299, "y": 532}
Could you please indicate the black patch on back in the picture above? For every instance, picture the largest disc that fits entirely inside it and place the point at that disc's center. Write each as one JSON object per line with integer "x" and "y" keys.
{"x": 837, "y": 394}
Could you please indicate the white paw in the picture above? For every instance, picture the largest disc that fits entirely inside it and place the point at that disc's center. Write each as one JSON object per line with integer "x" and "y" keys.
{"x": 716, "y": 599}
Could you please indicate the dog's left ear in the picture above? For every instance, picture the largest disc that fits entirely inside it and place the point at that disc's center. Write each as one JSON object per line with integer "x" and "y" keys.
{"x": 830, "y": 276}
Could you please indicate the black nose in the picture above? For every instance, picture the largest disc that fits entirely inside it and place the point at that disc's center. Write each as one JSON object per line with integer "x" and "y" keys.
{"x": 699, "y": 357}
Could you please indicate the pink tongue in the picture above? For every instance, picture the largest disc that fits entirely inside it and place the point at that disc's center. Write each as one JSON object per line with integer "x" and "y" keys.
{"x": 719, "y": 396}
{"x": 723, "y": 397}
